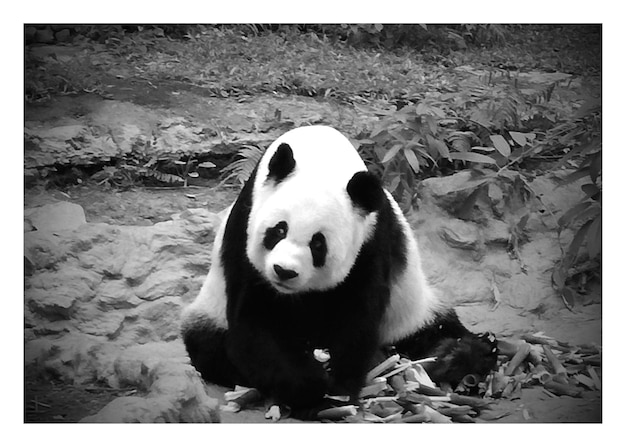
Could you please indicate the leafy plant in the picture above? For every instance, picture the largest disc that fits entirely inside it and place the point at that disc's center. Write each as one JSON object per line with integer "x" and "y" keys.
{"x": 578, "y": 265}
{"x": 241, "y": 169}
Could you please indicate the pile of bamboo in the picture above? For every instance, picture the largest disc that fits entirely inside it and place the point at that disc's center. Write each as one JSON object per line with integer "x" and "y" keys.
{"x": 399, "y": 389}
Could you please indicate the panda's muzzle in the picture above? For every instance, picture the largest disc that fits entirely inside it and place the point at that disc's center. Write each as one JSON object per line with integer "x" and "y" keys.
{"x": 284, "y": 274}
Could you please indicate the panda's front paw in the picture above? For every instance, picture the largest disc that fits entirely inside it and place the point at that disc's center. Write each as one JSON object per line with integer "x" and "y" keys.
{"x": 458, "y": 357}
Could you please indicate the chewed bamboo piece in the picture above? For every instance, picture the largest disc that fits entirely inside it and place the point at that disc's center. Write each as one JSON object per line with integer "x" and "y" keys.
{"x": 518, "y": 358}
{"x": 240, "y": 398}
{"x": 557, "y": 366}
{"x": 470, "y": 380}
{"x": 382, "y": 367}
{"x": 337, "y": 413}
{"x": 541, "y": 374}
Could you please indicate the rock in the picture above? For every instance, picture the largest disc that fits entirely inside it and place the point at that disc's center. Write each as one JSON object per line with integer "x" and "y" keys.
{"x": 174, "y": 390}
{"x": 156, "y": 318}
{"x": 55, "y": 305}
{"x": 60, "y": 216}
{"x": 497, "y": 232}
{"x": 62, "y": 35}
{"x": 71, "y": 357}
{"x": 449, "y": 192}
{"x": 44, "y": 250}
{"x": 91, "y": 321}
{"x": 116, "y": 295}
{"x": 160, "y": 284}
{"x": 44, "y": 36}
{"x": 29, "y": 34}
{"x": 135, "y": 409}
{"x": 459, "y": 234}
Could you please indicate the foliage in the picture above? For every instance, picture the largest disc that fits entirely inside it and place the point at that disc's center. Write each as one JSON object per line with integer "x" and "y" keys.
{"x": 578, "y": 266}
{"x": 142, "y": 167}
{"x": 241, "y": 169}
{"x": 480, "y": 122}
{"x": 491, "y": 133}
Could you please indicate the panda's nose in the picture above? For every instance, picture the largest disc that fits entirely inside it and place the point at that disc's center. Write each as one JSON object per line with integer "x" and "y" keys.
{"x": 283, "y": 273}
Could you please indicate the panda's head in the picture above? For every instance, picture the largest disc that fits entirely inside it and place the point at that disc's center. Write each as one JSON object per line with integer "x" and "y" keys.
{"x": 307, "y": 232}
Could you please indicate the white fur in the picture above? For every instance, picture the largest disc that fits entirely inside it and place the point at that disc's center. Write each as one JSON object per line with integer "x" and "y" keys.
{"x": 210, "y": 304}
{"x": 413, "y": 302}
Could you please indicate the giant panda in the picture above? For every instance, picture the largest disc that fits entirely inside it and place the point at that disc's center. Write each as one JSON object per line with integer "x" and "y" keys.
{"x": 315, "y": 253}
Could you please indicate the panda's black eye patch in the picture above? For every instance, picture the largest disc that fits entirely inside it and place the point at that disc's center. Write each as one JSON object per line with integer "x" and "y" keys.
{"x": 318, "y": 249}
{"x": 275, "y": 234}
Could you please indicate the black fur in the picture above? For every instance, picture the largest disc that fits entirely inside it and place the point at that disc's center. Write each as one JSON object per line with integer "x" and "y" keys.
{"x": 319, "y": 249}
{"x": 281, "y": 164}
{"x": 366, "y": 192}
{"x": 275, "y": 234}
{"x": 459, "y": 352}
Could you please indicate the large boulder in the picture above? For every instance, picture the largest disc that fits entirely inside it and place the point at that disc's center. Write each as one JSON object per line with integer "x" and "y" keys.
{"x": 102, "y": 303}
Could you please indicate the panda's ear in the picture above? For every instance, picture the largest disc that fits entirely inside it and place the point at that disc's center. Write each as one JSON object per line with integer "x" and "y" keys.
{"x": 281, "y": 164}
{"x": 366, "y": 191}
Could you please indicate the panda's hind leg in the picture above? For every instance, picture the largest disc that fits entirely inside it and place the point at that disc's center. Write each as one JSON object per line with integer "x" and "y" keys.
{"x": 206, "y": 348}
{"x": 459, "y": 352}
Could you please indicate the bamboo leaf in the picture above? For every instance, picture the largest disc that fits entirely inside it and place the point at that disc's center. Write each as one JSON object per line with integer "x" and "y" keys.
{"x": 590, "y": 189}
{"x": 440, "y": 146}
{"x": 569, "y": 216}
{"x": 572, "y": 251}
{"x": 519, "y": 138}
{"x": 559, "y": 277}
{"x": 412, "y": 159}
{"x": 594, "y": 237}
{"x": 501, "y": 144}
{"x": 391, "y": 153}
{"x": 569, "y": 297}
{"x": 393, "y": 184}
{"x": 595, "y": 166}
{"x": 472, "y": 157}
{"x": 578, "y": 174}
